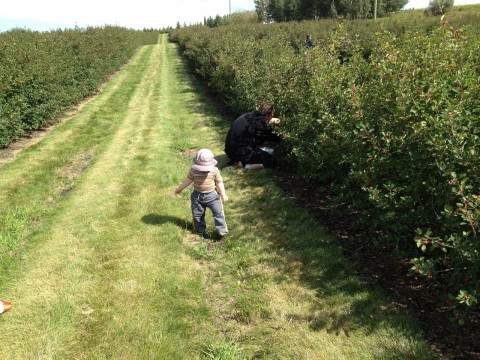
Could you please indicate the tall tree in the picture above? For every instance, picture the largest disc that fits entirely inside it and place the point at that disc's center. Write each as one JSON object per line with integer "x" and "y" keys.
{"x": 332, "y": 12}
{"x": 322, "y": 8}
{"x": 439, "y": 7}
{"x": 384, "y": 7}
{"x": 291, "y": 10}
{"x": 261, "y": 8}
{"x": 307, "y": 9}
{"x": 395, "y": 5}
{"x": 275, "y": 10}
{"x": 354, "y": 9}
{"x": 288, "y": 10}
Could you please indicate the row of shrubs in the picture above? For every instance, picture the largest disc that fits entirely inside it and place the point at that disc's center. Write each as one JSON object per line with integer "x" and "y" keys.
{"x": 388, "y": 120}
{"x": 45, "y": 73}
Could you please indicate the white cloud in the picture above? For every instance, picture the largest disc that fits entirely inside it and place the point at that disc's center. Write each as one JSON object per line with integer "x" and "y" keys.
{"x": 138, "y": 14}
{"x": 129, "y": 13}
{"x": 421, "y": 4}
{"x": 416, "y": 4}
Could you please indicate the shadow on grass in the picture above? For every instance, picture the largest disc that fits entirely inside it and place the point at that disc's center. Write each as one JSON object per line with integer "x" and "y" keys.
{"x": 299, "y": 248}
{"x": 222, "y": 161}
{"x": 156, "y": 219}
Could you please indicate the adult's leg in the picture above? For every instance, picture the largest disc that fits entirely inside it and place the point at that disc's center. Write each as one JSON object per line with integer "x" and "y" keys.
{"x": 254, "y": 167}
{"x": 259, "y": 159}
{"x": 240, "y": 157}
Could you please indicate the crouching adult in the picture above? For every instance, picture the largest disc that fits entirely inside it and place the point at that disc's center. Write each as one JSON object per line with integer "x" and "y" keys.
{"x": 247, "y": 136}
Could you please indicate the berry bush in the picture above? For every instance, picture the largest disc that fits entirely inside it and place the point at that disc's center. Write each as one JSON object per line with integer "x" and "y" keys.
{"x": 386, "y": 121}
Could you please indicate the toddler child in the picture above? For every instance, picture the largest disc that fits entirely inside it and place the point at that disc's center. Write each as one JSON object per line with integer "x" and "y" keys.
{"x": 208, "y": 192}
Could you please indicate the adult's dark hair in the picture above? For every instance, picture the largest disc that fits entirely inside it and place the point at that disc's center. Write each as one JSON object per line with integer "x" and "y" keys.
{"x": 267, "y": 110}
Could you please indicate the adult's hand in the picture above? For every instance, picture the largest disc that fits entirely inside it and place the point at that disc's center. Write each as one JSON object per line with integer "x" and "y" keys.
{"x": 274, "y": 121}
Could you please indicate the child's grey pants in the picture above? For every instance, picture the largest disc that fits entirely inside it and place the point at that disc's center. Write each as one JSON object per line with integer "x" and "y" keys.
{"x": 200, "y": 203}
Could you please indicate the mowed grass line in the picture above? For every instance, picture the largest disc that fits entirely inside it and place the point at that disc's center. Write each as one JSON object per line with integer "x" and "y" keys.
{"x": 32, "y": 186}
{"x": 115, "y": 271}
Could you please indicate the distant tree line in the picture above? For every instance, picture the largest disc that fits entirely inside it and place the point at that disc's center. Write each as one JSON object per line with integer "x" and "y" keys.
{"x": 296, "y": 10}
{"x": 239, "y": 17}
{"x": 438, "y": 7}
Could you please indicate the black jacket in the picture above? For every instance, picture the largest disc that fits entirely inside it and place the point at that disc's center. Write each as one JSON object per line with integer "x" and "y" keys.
{"x": 248, "y": 132}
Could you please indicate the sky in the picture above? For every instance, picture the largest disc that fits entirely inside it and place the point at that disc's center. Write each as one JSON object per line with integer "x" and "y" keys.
{"x": 421, "y": 4}
{"x": 46, "y": 15}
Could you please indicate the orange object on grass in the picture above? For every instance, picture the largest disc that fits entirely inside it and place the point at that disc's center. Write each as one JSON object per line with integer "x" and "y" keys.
{"x": 4, "y": 306}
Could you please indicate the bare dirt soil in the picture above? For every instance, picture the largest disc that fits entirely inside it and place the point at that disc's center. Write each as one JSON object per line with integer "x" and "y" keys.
{"x": 377, "y": 266}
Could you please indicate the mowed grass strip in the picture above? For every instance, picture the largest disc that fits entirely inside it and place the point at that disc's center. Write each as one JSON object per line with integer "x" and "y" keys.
{"x": 278, "y": 285}
{"x": 106, "y": 281}
{"x": 40, "y": 177}
{"x": 117, "y": 273}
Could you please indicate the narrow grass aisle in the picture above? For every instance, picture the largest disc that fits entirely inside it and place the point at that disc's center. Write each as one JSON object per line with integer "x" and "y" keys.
{"x": 99, "y": 261}
{"x": 102, "y": 281}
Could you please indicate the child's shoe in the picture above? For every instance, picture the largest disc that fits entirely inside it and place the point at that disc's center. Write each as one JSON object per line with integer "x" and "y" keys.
{"x": 219, "y": 236}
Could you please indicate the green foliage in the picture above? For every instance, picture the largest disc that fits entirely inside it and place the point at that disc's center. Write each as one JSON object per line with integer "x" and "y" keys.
{"x": 43, "y": 74}
{"x": 283, "y": 10}
{"x": 439, "y": 7}
{"x": 120, "y": 234}
{"x": 242, "y": 17}
{"x": 237, "y": 18}
{"x": 452, "y": 252}
{"x": 261, "y": 10}
{"x": 382, "y": 112}
{"x": 224, "y": 351}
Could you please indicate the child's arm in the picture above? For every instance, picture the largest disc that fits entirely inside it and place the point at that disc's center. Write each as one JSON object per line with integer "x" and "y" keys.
{"x": 183, "y": 185}
{"x": 222, "y": 192}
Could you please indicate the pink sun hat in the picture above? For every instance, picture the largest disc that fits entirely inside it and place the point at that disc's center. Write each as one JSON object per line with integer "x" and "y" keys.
{"x": 204, "y": 160}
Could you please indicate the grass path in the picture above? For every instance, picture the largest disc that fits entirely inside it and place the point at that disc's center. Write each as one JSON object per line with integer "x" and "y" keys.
{"x": 99, "y": 261}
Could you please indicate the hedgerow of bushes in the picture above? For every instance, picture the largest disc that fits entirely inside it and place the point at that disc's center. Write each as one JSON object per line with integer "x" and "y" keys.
{"x": 389, "y": 121}
{"x": 44, "y": 74}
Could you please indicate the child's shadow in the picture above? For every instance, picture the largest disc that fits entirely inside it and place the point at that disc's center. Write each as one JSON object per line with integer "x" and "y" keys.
{"x": 222, "y": 161}
{"x": 156, "y": 219}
